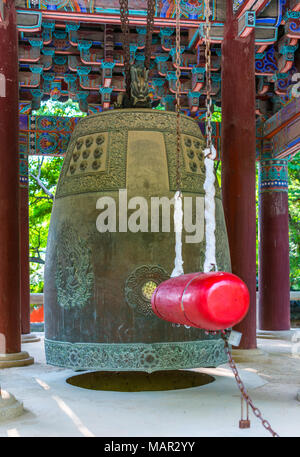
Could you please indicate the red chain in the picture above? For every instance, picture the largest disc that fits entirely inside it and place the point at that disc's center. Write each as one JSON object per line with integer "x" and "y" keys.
{"x": 178, "y": 89}
{"x": 150, "y": 25}
{"x": 242, "y": 388}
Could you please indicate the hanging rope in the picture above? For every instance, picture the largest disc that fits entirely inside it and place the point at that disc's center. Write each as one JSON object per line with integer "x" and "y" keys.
{"x": 209, "y": 154}
{"x": 178, "y": 213}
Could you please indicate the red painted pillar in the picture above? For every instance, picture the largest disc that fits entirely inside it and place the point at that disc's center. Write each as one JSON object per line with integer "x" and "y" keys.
{"x": 274, "y": 267}
{"x": 10, "y": 312}
{"x": 238, "y": 162}
{"x": 24, "y": 249}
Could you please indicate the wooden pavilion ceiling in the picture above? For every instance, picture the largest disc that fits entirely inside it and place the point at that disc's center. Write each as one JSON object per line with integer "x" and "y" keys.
{"x": 73, "y": 49}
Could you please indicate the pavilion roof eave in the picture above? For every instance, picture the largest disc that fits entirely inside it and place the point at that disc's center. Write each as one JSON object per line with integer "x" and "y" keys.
{"x": 80, "y": 54}
{"x": 114, "y": 19}
{"x": 254, "y": 5}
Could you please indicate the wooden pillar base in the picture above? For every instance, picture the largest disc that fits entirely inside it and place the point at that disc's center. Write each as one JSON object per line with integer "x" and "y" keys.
{"x": 19, "y": 359}
{"x": 10, "y": 407}
{"x": 247, "y": 355}
{"x": 30, "y": 338}
{"x": 286, "y": 335}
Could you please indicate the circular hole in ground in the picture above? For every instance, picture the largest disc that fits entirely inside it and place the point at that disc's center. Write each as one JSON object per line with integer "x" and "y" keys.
{"x": 139, "y": 381}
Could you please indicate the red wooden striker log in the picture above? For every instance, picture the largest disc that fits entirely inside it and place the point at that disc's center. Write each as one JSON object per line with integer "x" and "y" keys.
{"x": 212, "y": 301}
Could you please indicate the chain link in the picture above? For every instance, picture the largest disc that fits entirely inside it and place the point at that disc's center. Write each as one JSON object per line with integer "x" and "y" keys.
{"x": 178, "y": 88}
{"x": 124, "y": 13}
{"x": 150, "y": 25}
{"x": 242, "y": 388}
{"x": 124, "y": 16}
{"x": 207, "y": 13}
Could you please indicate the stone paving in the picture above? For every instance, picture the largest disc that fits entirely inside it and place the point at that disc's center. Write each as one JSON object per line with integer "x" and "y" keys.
{"x": 55, "y": 408}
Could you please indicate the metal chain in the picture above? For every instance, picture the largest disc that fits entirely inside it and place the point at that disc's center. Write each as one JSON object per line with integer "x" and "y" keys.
{"x": 178, "y": 86}
{"x": 210, "y": 261}
{"x": 124, "y": 13}
{"x": 207, "y": 13}
{"x": 124, "y": 16}
{"x": 242, "y": 388}
{"x": 150, "y": 25}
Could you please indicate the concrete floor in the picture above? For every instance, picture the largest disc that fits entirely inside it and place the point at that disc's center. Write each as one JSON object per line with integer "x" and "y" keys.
{"x": 55, "y": 408}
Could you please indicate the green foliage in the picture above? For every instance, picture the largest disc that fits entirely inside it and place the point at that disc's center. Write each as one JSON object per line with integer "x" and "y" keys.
{"x": 55, "y": 108}
{"x": 216, "y": 115}
{"x": 36, "y": 279}
{"x": 40, "y": 206}
{"x": 160, "y": 107}
{"x": 47, "y": 171}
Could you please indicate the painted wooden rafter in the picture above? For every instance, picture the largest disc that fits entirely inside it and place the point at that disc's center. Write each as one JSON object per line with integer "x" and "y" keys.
{"x": 282, "y": 129}
{"x": 246, "y": 23}
{"x": 95, "y": 18}
{"x": 295, "y": 5}
{"x": 254, "y": 5}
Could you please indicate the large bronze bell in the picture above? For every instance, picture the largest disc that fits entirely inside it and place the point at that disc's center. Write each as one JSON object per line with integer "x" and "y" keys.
{"x": 98, "y": 286}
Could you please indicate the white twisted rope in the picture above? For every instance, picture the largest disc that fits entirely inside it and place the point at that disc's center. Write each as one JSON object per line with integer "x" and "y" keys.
{"x": 209, "y": 211}
{"x": 209, "y": 154}
{"x": 178, "y": 217}
{"x": 178, "y": 213}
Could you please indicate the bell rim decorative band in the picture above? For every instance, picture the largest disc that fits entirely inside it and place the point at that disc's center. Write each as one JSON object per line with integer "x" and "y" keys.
{"x": 135, "y": 356}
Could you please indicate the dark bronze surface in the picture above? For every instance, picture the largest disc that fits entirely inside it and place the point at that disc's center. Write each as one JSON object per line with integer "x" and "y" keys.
{"x": 94, "y": 281}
